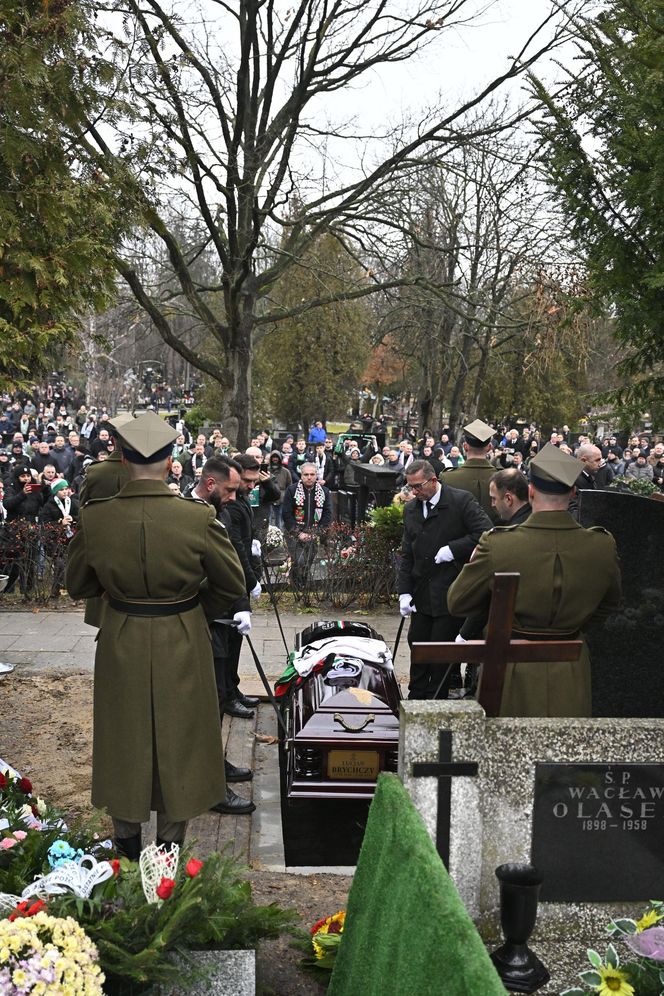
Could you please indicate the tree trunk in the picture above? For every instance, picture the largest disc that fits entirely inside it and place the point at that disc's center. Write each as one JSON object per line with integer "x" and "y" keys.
{"x": 236, "y": 402}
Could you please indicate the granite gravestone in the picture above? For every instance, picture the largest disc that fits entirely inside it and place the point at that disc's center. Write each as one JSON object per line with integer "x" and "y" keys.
{"x": 597, "y": 831}
{"x": 626, "y": 648}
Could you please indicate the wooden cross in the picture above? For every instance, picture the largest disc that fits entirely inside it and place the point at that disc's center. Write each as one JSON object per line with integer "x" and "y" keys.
{"x": 499, "y": 647}
{"x": 444, "y": 770}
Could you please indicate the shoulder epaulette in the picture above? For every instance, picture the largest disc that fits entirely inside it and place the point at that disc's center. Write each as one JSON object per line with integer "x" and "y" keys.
{"x": 502, "y": 529}
{"x": 599, "y": 529}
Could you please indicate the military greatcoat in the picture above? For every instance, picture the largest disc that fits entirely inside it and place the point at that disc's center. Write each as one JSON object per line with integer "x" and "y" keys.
{"x": 102, "y": 480}
{"x": 569, "y": 575}
{"x": 157, "y": 736}
{"x": 473, "y": 476}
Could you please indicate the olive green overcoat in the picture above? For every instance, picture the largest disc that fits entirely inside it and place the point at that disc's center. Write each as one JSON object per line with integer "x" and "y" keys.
{"x": 102, "y": 480}
{"x": 157, "y": 735}
{"x": 569, "y": 575}
{"x": 473, "y": 476}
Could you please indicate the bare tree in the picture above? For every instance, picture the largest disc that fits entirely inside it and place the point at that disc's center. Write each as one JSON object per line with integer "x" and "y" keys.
{"x": 221, "y": 123}
{"x": 478, "y": 235}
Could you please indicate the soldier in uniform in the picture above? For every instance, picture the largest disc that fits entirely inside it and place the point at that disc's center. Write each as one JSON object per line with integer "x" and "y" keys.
{"x": 163, "y": 565}
{"x": 569, "y": 575}
{"x": 476, "y": 472}
{"x": 103, "y": 480}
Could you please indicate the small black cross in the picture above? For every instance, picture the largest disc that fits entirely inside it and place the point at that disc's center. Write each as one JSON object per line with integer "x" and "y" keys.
{"x": 444, "y": 769}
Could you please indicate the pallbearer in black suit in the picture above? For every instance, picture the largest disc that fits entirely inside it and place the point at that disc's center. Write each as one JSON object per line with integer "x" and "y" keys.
{"x": 441, "y": 528}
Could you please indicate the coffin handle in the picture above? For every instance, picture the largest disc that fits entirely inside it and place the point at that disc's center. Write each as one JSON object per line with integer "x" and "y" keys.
{"x": 354, "y": 729}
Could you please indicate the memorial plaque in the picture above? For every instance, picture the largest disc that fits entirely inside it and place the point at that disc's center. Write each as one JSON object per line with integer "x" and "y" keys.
{"x": 360, "y": 764}
{"x": 626, "y": 648}
{"x": 598, "y": 832}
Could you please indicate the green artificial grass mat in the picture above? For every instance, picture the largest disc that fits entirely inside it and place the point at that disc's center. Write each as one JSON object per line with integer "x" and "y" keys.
{"x": 407, "y": 933}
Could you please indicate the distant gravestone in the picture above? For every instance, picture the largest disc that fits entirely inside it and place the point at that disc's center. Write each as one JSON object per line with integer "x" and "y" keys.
{"x": 597, "y": 831}
{"x": 626, "y": 648}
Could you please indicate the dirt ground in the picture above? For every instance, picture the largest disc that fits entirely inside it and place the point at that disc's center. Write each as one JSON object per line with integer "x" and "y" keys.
{"x": 46, "y": 733}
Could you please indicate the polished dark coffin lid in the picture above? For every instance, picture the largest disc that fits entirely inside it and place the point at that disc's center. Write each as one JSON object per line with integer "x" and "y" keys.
{"x": 358, "y": 719}
{"x": 626, "y": 648}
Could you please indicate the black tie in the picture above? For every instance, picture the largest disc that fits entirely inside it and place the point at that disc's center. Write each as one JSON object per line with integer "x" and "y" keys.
{"x": 429, "y": 508}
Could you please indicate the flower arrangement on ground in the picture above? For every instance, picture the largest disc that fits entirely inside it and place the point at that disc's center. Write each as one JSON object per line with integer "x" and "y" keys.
{"x": 642, "y": 975}
{"x": 41, "y": 954}
{"x": 135, "y": 931}
{"x": 324, "y": 940}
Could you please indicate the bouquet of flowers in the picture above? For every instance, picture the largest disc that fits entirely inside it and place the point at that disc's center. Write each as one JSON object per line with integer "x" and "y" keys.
{"x": 641, "y": 976}
{"x": 41, "y": 954}
{"x": 56, "y": 869}
{"x": 325, "y": 937}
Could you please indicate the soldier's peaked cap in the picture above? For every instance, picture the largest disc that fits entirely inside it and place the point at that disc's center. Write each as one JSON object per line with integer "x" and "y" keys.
{"x": 120, "y": 420}
{"x": 478, "y": 433}
{"x": 146, "y": 439}
{"x": 554, "y": 471}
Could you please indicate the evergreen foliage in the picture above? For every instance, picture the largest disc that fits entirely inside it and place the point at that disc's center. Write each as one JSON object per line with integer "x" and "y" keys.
{"x": 312, "y": 362}
{"x": 603, "y": 153}
{"x": 57, "y": 220}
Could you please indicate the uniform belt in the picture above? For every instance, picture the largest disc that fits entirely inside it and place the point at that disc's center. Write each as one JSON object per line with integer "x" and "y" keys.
{"x": 545, "y": 637}
{"x": 153, "y": 608}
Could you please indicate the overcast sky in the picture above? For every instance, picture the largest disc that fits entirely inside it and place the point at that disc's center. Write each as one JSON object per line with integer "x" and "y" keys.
{"x": 458, "y": 63}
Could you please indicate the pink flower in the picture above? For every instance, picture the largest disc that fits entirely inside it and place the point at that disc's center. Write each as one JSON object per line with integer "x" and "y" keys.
{"x": 20, "y": 834}
{"x": 7, "y": 842}
{"x": 649, "y": 943}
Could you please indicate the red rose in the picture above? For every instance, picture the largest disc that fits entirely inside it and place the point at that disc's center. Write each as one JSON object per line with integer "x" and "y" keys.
{"x": 193, "y": 867}
{"x": 25, "y": 785}
{"x": 165, "y": 888}
{"x": 3, "y": 782}
{"x": 115, "y": 865}
{"x": 36, "y": 907}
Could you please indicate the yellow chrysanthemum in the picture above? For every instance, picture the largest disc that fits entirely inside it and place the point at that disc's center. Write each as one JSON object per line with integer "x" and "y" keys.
{"x": 648, "y": 919}
{"x": 614, "y": 982}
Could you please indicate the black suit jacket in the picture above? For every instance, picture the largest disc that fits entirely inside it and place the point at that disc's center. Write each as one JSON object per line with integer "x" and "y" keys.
{"x": 241, "y": 532}
{"x": 457, "y": 521}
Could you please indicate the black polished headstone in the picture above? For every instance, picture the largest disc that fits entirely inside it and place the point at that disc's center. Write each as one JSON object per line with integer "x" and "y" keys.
{"x": 381, "y": 482}
{"x": 597, "y": 831}
{"x": 626, "y": 648}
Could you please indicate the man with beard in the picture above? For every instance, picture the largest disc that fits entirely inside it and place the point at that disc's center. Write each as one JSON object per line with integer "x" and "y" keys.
{"x": 218, "y": 487}
{"x": 241, "y": 531}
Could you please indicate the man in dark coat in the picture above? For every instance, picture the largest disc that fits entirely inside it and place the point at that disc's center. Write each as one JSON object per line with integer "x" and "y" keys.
{"x": 306, "y": 512}
{"x": 569, "y": 575}
{"x": 476, "y": 472}
{"x": 240, "y": 518}
{"x": 218, "y": 487}
{"x": 157, "y": 733}
{"x": 508, "y": 490}
{"x": 441, "y": 529}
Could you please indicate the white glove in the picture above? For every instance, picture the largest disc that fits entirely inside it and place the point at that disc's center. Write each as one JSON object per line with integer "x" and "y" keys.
{"x": 444, "y": 555}
{"x": 459, "y": 639}
{"x": 255, "y": 548}
{"x": 406, "y": 606}
{"x": 256, "y": 591}
{"x": 243, "y": 620}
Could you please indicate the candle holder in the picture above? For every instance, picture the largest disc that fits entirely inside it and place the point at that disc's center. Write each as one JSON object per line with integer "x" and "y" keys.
{"x": 519, "y": 968}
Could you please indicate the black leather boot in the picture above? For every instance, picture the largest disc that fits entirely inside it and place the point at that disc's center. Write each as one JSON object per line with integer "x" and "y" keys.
{"x": 233, "y": 805}
{"x": 128, "y": 847}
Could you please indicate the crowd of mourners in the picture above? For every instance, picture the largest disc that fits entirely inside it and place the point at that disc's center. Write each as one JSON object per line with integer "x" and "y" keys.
{"x": 50, "y": 438}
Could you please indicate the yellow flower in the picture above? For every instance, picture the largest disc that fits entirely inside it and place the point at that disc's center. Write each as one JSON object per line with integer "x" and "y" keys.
{"x": 648, "y": 919}
{"x": 614, "y": 982}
